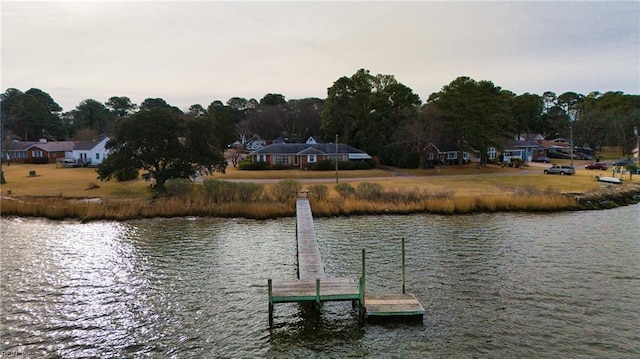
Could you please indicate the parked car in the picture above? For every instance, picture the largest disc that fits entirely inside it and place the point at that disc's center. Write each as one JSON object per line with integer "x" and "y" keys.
{"x": 623, "y": 162}
{"x": 558, "y": 154}
{"x": 597, "y": 166}
{"x": 561, "y": 170}
{"x": 542, "y": 159}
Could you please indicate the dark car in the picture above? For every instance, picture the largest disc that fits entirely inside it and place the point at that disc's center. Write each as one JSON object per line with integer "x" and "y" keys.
{"x": 561, "y": 170}
{"x": 597, "y": 166}
{"x": 623, "y": 163}
{"x": 542, "y": 159}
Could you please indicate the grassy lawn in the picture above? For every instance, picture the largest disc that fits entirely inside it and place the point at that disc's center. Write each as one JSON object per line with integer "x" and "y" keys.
{"x": 69, "y": 182}
{"x": 465, "y": 180}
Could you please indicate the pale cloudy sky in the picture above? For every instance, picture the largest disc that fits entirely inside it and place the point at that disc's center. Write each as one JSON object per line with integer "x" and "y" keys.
{"x": 198, "y": 52}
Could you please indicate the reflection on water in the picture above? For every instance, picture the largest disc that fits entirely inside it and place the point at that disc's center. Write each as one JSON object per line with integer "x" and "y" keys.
{"x": 493, "y": 285}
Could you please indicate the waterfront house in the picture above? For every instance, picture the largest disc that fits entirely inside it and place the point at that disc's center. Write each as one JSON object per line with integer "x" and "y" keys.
{"x": 301, "y": 155}
{"x": 521, "y": 150}
{"x": 446, "y": 153}
{"x": 41, "y": 151}
{"x": 44, "y": 151}
{"x": 90, "y": 153}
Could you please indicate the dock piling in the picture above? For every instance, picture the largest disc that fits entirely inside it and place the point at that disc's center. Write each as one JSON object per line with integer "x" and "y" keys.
{"x": 270, "y": 284}
{"x": 403, "y": 276}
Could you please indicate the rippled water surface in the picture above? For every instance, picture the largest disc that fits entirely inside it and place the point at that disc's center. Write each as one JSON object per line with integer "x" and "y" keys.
{"x": 493, "y": 285}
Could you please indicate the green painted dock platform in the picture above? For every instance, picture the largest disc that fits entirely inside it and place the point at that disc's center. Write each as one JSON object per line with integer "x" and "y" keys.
{"x": 313, "y": 286}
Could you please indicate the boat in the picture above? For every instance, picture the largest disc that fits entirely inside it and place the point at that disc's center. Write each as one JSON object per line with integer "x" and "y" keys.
{"x": 608, "y": 179}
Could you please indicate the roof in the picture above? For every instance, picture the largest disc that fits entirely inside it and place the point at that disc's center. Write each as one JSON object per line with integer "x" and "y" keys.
{"x": 311, "y": 151}
{"x": 89, "y": 145}
{"x": 307, "y": 148}
{"x": 55, "y": 146}
{"x": 523, "y": 144}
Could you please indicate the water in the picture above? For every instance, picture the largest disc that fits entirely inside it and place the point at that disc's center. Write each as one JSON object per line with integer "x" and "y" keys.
{"x": 493, "y": 285}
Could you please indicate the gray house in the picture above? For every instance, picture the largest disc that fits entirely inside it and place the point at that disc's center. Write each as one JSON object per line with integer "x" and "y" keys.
{"x": 301, "y": 155}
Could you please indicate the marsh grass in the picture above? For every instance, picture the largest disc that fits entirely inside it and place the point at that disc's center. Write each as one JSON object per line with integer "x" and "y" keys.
{"x": 63, "y": 193}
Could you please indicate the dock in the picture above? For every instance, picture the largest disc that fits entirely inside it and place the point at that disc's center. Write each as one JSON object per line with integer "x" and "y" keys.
{"x": 310, "y": 264}
{"x": 313, "y": 286}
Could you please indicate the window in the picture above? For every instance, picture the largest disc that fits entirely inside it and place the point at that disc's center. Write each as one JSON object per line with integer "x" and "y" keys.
{"x": 492, "y": 153}
{"x": 430, "y": 156}
{"x": 97, "y": 156}
{"x": 452, "y": 155}
{"x": 262, "y": 158}
{"x": 311, "y": 158}
{"x": 282, "y": 159}
{"x": 36, "y": 153}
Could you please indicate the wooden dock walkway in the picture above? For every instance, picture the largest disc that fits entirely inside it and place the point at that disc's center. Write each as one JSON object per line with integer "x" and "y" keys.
{"x": 309, "y": 261}
{"x": 313, "y": 286}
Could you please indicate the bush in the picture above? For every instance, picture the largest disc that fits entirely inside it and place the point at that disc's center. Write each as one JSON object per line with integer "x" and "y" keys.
{"x": 248, "y": 164}
{"x": 126, "y": 174}
{"x": 370, "y": 191}
{"x": 346, "y": 165}
{"x": 345, "y": 189}
{"x": 330, "y": 165}
{"x": 178, "y": 187}
{"x": 326, "y": 165}
{"x": 286, "y": 189}
{"x": 515, "y": 162}
{"x": 224, "y": 191}
{"x": 279, "y": 166}
{"x": 318, "y": 191}
{"x": 248, "y": 192}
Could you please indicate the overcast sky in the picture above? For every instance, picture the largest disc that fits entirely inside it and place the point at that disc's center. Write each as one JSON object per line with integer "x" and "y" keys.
{"x": 198, "y": 52}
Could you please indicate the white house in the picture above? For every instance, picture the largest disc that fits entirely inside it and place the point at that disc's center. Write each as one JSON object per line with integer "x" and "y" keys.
{"x": 91, "y": 153}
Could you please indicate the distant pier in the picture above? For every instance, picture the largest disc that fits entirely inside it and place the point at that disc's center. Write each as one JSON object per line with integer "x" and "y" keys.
{"x": 313, "y": 286}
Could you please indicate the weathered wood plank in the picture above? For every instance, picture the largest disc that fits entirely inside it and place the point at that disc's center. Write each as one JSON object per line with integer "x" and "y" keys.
{"x": 306, "y": 290}
{"x": 310, "y": 264}
{"x": 392, "y": 305}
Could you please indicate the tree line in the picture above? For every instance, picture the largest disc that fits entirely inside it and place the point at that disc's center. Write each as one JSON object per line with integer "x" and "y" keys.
{"x": 375, "y": 113}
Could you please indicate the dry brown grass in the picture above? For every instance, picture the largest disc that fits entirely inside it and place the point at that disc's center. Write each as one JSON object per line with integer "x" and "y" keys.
{"x": 67, "y": 182}
{"x": 449, "y": 190}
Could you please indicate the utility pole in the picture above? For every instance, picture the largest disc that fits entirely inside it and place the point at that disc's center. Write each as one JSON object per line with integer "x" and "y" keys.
{"x": 569, "y": 114}
{"x": 337, "y": 158}
{"x": 635, "y": 132}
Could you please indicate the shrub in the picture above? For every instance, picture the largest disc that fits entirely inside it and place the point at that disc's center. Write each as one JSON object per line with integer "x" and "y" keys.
{"x": 224, "y": 191}
{"x": 248, "y": 192}
{"x": 346, "y": 165}
{"x": 248, "y": 164}
{"x": 218, "y": 191}
{"x": 178, "y": 187}
{"x": 369, "y": 191}
{"x": 318, "y": 191}
{"x": 279, "y": 166}
{"x": 345, "y": 189}
{"x": 326, "y": 165}
{"x": 515, "y": 162}
{"x": 126, "y": 174}
{"x": 286, "y": 189}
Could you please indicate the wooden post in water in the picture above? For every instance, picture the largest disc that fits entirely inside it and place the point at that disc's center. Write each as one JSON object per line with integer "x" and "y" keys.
{"x": 297, "y": 251}
{"x": 270, "y": 284}
{"x": 403, "y": 277}
{"x": 318, "y": 292}
{"x": 363, "y": 280}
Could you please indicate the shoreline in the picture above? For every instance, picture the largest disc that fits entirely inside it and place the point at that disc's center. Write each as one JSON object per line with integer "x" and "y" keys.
{"x": 92, "y": 209}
